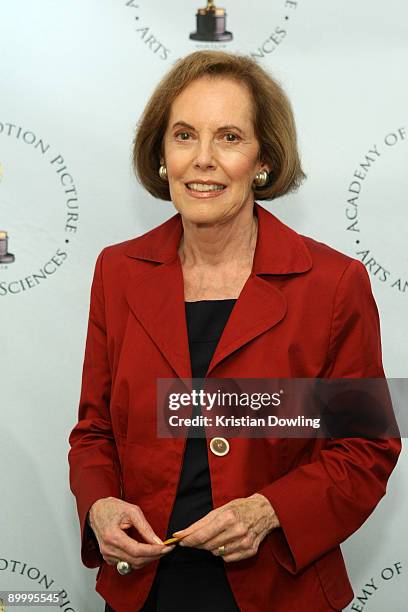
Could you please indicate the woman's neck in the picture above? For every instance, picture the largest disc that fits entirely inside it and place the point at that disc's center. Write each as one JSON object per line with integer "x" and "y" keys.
{"x": 228, "y": 243}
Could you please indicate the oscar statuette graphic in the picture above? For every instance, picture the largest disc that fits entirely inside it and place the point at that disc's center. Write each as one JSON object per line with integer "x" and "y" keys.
{"x": 5, "y": 257}
{"x": 211, "y": 22}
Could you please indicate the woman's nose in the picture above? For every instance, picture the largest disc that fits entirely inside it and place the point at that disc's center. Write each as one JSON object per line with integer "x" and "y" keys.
{"x": 204, "y": 153}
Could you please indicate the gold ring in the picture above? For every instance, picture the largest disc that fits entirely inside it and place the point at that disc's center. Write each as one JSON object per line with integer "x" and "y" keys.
{"x": 221, "y": 550}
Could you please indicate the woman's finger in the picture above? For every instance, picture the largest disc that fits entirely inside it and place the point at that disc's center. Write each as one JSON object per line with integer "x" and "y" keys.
{"x": 143, "y": 526}
{"x": 121, "y": 545}
{"x": 213, "y": 526}
{"x": 234, "y": 538}
{"x": 116, "y": 555}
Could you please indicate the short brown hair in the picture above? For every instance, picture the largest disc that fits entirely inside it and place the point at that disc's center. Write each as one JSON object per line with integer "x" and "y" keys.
{"x": 274, "y": 123}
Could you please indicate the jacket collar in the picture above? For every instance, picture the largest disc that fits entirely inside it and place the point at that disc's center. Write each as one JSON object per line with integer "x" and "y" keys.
{"x": 156, "y": 297}
{"x": 279, "y": 249}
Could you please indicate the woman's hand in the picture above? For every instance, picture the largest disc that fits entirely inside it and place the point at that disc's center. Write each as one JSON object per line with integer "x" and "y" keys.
{"x": 109, "y": 517}
{"x": 239, "y": 526}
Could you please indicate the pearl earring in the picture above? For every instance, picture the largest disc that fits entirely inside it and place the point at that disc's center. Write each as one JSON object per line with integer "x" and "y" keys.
{"x": 261, "y": 178}
{"x": 163, "y": 173}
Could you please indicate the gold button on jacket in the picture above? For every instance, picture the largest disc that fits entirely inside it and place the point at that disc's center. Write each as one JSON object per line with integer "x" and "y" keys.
{"x": 219, "y": 446}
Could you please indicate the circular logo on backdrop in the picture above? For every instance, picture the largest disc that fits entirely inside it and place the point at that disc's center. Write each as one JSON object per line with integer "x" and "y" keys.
{"x": 188, "y": 26}
{"x": 378, "y": 592}
{"x": 18, "y": 576}
{"x": 39, "y": 209}
{"x": 375, "y": 211}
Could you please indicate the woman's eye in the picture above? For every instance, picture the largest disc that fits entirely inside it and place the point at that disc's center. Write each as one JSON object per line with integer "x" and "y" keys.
{"x": 182, "y": 134}
{"x": 235, "y": 137}
{"x": 185, "y": 136}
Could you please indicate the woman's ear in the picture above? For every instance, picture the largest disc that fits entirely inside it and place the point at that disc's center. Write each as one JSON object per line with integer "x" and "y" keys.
{"x": 263, "y": 165}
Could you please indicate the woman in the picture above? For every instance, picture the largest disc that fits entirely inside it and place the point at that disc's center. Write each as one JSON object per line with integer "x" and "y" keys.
{"x": 222, "y": 289}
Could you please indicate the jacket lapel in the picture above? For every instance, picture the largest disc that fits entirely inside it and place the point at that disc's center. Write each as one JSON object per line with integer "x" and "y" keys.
{"x": 261, "y": 305}
{"x": 258, "y": 308}
{"x": 156, "y": 296}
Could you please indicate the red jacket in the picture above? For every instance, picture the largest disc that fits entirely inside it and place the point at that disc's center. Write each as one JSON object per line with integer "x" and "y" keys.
{"x": 305, "y": 311}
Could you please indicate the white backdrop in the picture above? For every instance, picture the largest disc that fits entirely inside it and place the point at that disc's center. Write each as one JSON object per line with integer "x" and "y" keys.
{"x": 75, "y": 77}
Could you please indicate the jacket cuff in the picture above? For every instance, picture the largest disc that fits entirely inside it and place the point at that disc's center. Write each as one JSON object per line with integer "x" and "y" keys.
{"x": 307, "y": 529}
{"x": 90, "y": 553}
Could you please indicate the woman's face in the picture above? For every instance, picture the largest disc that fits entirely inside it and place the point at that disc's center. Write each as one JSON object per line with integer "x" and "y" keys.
{"x": 210, "y": 139}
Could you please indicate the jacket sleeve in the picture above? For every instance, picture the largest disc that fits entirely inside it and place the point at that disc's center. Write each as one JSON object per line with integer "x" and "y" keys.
{"x": 94, "y": 464}
{"x": 320, "y": 504}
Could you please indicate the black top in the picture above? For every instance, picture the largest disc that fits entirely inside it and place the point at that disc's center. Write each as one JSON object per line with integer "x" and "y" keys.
{"x": 205, "y": 323}
{"x": 191, "y": 578}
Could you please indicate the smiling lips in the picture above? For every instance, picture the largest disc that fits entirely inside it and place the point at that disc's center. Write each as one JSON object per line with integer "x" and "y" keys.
{"x": 203, "y": 189}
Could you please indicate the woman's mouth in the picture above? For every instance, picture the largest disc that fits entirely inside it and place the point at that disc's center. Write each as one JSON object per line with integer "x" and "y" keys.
{"x": 205, "y": 190}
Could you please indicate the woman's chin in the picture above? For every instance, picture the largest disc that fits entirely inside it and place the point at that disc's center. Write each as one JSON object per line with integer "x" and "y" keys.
{"x": 201, "y": 211}
{"x": 202, "y": 217}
